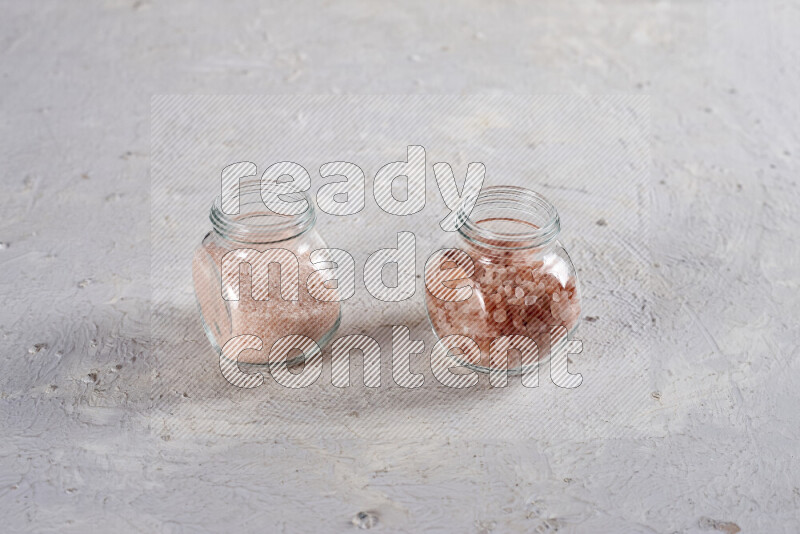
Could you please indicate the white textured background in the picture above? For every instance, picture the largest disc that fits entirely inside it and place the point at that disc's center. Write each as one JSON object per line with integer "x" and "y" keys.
{"x": 87, "y": 444}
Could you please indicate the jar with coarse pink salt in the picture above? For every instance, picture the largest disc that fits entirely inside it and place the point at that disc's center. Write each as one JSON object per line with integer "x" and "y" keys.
{"x": 255, "y": 282}
{"x": 503, "y": 294}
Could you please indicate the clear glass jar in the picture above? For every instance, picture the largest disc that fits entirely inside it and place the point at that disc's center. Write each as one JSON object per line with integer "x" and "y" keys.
{"x": 522, "y": 281}
{"x": 256, "y": 229}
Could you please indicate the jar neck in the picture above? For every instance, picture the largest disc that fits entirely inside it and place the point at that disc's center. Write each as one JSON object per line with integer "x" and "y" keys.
{"x": 508, "y": 218}
{"x": 255, "y": 223}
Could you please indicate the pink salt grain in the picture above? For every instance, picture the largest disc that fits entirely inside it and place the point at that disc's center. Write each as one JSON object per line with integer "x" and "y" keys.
{"x": 518, "y": 294}
{"x": 270, "y": 319}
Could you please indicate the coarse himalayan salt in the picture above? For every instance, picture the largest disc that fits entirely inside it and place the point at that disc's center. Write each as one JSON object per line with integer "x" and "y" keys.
{"x": 515, "y": 292}
{"x": 268, "y": 319}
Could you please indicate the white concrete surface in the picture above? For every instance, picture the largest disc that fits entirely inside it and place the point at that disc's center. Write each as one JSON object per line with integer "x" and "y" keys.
{"x": 100, "y": 433}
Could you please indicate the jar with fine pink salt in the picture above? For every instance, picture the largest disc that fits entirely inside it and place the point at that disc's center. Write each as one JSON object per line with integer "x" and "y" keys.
{"x": 505, "y": 282}
{"x": 253, "y": 276}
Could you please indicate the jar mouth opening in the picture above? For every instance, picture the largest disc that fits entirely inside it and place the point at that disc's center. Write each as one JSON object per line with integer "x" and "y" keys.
{"x": 255, "y": 222}
{"x": 510, "y": 217}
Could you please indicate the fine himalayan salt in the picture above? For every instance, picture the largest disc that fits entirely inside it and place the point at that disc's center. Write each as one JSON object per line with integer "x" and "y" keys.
{"x": 268, "y": 319}
{"x": 515, "y": 292}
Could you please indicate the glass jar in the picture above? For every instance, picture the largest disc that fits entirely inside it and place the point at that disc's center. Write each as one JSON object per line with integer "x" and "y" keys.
{"x": 253, "y": 301}
{"x": 520, "y": 280}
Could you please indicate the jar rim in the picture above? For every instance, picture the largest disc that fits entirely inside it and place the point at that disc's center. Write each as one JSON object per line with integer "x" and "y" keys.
{"x": 516, "y": 200}
{"x": 255, "y": 222}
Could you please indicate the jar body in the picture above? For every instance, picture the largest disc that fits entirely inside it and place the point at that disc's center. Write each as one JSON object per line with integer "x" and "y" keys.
{"x": 227, "y": 316}
{"x": 520, "y": 285}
